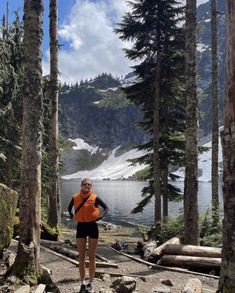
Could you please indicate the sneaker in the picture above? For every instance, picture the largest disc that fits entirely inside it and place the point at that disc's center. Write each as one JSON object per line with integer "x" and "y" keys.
{"x": 82, "y": 288}
{"x": 90, "y": 288}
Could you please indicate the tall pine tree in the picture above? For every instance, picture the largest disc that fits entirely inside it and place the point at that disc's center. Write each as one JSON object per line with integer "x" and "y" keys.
{"x": 158, "y": 44}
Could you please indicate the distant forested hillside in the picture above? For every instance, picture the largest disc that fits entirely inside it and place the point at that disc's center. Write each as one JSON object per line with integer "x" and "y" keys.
{"x": 97, "y": 111}
{"x": 204, "y": 62}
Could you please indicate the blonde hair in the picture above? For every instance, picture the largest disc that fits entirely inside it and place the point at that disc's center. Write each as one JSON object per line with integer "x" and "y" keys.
{"x": 86, "y": 180}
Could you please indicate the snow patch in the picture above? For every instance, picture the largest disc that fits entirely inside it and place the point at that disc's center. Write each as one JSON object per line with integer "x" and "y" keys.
{"x": 113, "y": 168}
{"x": 82, "y": 145}
{"x": 202, "y": 47}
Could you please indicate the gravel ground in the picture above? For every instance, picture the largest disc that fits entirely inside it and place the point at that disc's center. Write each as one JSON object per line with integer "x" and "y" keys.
{"x": 66, "y": 274}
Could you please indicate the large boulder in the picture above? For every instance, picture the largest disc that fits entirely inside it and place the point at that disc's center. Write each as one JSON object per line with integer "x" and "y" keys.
{"x": 8, "y": 204}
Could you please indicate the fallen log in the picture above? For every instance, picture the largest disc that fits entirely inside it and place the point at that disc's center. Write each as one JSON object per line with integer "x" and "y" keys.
{"x": 160, "y": 267}
{"x": 75, "y": 262}
{"x": 58, "y": 246}
{"x": 158, "y": 251}
{"x": 153, "y": 253}
{"x": 192, "y": 261}
{"x": 192, "y": 250}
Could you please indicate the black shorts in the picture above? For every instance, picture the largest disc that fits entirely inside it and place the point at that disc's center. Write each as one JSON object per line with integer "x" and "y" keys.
{"x": 89, "y": 229}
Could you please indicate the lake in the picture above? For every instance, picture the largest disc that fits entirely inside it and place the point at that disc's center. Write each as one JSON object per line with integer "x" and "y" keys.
{"x": 122, "y": 196}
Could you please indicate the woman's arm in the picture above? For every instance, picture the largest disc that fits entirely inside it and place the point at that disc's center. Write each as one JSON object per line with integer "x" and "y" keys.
{"x": 71, "y": 204}
{"x": 99, "y": 202}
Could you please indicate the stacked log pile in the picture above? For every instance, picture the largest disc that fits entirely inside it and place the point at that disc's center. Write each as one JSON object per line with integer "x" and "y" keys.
{"x": 176, "y": 254}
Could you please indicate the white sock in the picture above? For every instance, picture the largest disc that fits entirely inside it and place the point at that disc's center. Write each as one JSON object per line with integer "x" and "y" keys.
{"x": 83, "y": 282}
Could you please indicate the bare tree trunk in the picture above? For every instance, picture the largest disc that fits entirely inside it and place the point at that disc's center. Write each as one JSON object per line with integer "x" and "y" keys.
{"x": 156, "y": 135}
{"x": 227, "y": 277}
{"x": 191, "y": 168}
{"x": 214, "y": 117}
{"x": 165, "y": 193}
{"x": 9, "y": 167}
{"x": 26, "y": 263}
{"x": 54, "y": 195}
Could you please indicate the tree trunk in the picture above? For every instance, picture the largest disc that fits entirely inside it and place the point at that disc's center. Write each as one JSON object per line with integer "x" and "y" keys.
{"x": 26, "y": 263}
{"x": 165, "y": 193}
{"x": 54, "y": 194}
{"x": 9, "y": 167}
{"x": 192, "y": 261}
{"x": 214, "y": 117}
{"x": 156, "y": 135}
{"x": 191, "y": 156}
{"x": 159, "y": 250}
{"x": 227, "y": 277}
{"x": 192, "y": 250}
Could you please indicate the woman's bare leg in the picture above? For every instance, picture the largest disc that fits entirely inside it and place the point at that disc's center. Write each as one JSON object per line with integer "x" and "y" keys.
{"x": 92, "y": 250}
{"x": 81, "y": 245}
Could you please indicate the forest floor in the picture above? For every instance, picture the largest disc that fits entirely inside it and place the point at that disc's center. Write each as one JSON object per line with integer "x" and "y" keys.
{"x": 66, "y": 275}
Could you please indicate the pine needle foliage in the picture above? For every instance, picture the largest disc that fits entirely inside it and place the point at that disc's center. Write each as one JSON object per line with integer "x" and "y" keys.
{"x": 152, "y": 26}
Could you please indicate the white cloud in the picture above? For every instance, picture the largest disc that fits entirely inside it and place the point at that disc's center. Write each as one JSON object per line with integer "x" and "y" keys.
{"x": 94, "y": 47}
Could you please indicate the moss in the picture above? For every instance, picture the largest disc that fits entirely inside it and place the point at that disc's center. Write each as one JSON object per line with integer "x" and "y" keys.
{"x": 8, "y": 203}
{"x": 49, "y": 233}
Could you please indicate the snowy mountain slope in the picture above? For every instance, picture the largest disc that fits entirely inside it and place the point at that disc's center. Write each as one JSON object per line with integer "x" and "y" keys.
{"x": 112, "y": 168}
{"x": 117, "y": 167}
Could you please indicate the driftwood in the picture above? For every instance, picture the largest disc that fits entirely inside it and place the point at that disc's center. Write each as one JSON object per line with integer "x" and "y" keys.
{"x": 153, "y": 253}
{"x": 57, "y": 246}
{"x": 192, "y": 250}
{"x": 159, "y": 250}
{"x": 192, "y": 261}
{"x": 161, "y": 267}
{"x": 75, "y": 262}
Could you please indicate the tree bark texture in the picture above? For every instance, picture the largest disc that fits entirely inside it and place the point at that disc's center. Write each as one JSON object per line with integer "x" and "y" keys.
{"x": 156, "y": 138}
{"x": 30, "y": 195}
{"x": 193, "y": 250}
{"x": 54, "y": 195}
{"x": 192, "y": 261}
{"x": 191, "y": 165}
{"x": 227, "y": 277}
{"x": 214, "y": 116}
{"x": 165, "y": 192}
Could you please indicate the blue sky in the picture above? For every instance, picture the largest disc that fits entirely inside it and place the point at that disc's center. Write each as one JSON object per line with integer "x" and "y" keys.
{"x": 86, "y": 32}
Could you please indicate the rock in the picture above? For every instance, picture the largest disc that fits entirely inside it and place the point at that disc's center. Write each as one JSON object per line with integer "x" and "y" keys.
{"x": 166, "y": 282}
{"x": 193, "y": 286}
{"x": 8, "y": 203}
{"x": 11, "y": 279}
{"x": 105, "y": 277}
{"x": 40, "y": 289}
{"x": 23, "y": 289}
{"x": 124, "y": 284}
{"x": 9, "y": 260}
{"x": 161, "y": 289}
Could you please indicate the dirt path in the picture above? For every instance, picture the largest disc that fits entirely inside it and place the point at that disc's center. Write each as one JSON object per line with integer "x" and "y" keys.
{"x": 65, "y": 274}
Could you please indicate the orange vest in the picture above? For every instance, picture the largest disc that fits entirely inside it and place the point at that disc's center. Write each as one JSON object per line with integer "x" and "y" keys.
{"x": 88, "y": 212}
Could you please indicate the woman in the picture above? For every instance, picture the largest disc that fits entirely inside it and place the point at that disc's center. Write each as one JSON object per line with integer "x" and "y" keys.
{"x": 84, "y": 208}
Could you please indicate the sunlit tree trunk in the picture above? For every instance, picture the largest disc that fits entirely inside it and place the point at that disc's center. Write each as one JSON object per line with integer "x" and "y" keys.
{"x": 54, "y": 195}
{"x": 227, "y": 277}
{"x": 191, "y": 165}
{"x": 214, "y": 117}
{"x": 26, "y": 263}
